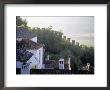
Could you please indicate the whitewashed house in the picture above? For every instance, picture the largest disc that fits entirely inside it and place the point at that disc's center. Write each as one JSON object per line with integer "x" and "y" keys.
{"x": 36, "y": 61}
{"x": 33, "y": 51}
{"x": 36, "y": 49}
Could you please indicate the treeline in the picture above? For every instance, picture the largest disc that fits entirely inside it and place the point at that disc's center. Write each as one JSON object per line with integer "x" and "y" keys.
{"x": 56, "y": 46}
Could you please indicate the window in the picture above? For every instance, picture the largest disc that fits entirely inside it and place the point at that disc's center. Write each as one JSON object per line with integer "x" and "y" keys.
{"x": 60, "y": 62}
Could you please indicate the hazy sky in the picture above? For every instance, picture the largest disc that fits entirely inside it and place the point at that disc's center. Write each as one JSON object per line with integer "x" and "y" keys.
{"x": 80, "y": 29}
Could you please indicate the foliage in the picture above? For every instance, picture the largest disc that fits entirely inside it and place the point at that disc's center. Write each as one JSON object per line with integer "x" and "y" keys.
{"x": 20, "y": 21}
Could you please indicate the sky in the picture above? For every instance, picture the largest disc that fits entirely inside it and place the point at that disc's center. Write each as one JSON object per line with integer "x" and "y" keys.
{"x": 80, "y": 29}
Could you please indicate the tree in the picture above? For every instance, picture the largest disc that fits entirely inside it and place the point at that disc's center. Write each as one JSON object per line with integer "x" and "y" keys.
{"x": 20, "y": 21}
{"x": 87, "y": 55}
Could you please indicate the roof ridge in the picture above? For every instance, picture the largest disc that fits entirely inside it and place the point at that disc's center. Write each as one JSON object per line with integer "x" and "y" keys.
{"x": 29, "y": 44}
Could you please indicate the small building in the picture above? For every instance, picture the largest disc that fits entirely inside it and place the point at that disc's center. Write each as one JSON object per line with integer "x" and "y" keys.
{"x": 61, "y": 63}
{"x": 32, "y": 49}
{"x": 29, "y": 52}
{"x": 64, "y": 64}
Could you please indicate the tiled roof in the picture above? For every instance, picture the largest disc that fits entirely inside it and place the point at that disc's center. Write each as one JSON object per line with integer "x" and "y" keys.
{"x": 28, "y": 44}
{"x": 49, "y": 63}
{"x": 24, "y": 33}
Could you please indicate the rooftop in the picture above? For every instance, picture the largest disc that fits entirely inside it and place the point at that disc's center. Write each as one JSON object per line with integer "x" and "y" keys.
{"x": 24, "y": 33}
{"x": 28, "y": 44}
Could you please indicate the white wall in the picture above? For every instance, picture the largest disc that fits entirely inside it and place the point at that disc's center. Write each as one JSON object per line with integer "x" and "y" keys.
{"x": 37, "y": 58}
{"x": 33, "y": 61}
{"x": 61, "y": 65}
{"x": 41, "y": 57}
{"x": 69, "y": 62}
{"x": 34, "y": 39}
{"x": 19, "y": 39}
{"x": 25, "y": 69}
{"x": 18, "y": 64}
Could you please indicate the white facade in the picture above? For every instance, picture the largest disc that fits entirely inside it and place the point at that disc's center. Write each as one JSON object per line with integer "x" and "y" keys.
{"x": 36, "y": 61}
{"x": 69, "y": 63}
{"x": 24, "y": 67}
{"x": 34, "y": 39}
{"x": 61, "y": 63}
{"x": 18, "y": 64}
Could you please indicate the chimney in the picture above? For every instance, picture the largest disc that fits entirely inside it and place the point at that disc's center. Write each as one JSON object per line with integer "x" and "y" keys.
{"x": 48, "y": 57}
{"x": 61, "y": 63}
{"x": 69, "y": 63}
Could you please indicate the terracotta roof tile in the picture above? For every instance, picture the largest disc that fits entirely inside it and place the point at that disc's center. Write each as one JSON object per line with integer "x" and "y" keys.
{"x": 28, "y": 44}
